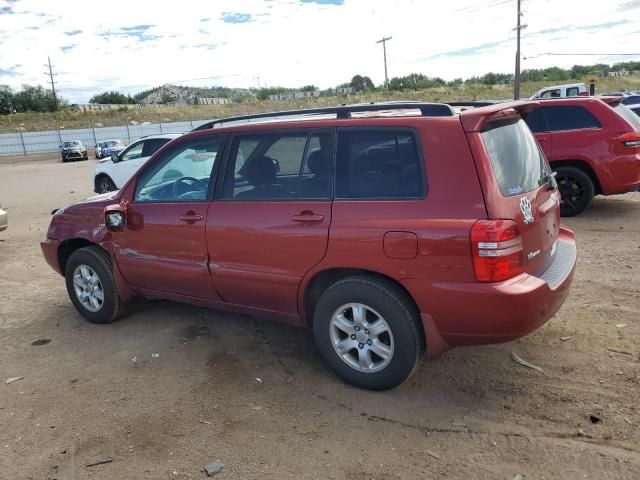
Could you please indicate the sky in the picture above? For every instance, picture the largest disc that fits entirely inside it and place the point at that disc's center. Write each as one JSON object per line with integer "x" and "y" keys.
{"x": 131, "y": 46}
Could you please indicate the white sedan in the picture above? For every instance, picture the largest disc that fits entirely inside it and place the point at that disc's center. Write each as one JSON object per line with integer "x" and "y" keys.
{"x": 112, "y": 173}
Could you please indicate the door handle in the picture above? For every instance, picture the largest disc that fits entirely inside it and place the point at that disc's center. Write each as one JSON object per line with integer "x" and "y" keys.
{"x": 191, "y": 217}
{"x": 307, "y": 216}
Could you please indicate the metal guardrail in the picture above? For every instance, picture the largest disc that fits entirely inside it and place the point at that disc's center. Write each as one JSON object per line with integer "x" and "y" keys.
{"x": 25, "y": 143}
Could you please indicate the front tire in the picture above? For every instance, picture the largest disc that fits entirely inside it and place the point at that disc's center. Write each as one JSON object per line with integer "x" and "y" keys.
{"x": 367, "y": 329}
{"x": 576, "y": 189}
{"x": 92, "y": 287}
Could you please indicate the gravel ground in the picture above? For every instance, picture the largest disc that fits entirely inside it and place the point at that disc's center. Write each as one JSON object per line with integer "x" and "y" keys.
{"x": 173, "y": 387}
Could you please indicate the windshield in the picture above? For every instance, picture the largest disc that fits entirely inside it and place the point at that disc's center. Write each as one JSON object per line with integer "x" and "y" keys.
{"x": 75, "y": 143}
{"x": 113, "y": 143}
{"x": 517, "y": 161}
{"x": 628, "y": 115}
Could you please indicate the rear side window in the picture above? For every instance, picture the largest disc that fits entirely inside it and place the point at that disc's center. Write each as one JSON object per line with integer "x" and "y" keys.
{"x": 628, "y": 115}
{"x": 536, "y": 121}
{"x": 517, "y": 162}
{"x": 572, "y": 92}
{"x": 570, "y": 117}
{"x": 378, "y": 164}
{"x": 152, "y": 146}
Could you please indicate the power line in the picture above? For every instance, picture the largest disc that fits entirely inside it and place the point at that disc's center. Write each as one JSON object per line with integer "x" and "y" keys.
{"x": 50, "y": 74}
{"x": 584, "y": 54}
{"x": 384, "y": 41}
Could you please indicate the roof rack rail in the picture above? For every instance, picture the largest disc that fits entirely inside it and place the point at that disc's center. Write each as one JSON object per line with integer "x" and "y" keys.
{"x": 473, "y": 103}
{"x": 342, "y": 112}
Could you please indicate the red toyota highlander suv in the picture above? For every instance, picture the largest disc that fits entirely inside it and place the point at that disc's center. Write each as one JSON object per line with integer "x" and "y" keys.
{"x": 593, "y": 145}
{"x": 390, "y": 229}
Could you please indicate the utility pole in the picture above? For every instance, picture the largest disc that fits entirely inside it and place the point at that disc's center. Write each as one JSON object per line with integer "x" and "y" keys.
{"x": 53, "y": 84}
{"x": 384, "y": 41}
{"x": 519, "y": 28}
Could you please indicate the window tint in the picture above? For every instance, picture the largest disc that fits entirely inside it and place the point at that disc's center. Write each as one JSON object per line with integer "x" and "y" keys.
{"x": 536, "y": 121}
{"x": 570, "y": 118}
{"x": 181, "y": 174}
{"x": 517, "y": 162}
{"x": 152, "y": 146}
{"x": 378, "y": 164}
{"x": 279, "y": 166}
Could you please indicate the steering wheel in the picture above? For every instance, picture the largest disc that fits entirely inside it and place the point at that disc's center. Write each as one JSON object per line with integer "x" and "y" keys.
{"x": 189, "y": 182}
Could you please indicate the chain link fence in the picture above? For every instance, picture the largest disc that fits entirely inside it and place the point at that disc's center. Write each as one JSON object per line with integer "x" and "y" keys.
{"x": 25, "y": 143}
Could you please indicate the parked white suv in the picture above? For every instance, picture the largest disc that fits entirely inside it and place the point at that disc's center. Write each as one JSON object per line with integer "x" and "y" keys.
{"x": 112, "y": 173}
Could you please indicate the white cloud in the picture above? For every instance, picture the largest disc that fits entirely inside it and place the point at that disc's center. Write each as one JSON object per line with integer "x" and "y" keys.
{"x": 287, "y": 42}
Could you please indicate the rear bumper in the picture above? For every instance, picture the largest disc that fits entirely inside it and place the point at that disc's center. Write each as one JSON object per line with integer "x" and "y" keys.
{"x": 50, "y": 251}
{"x": 621, "y": 175}
{"x": 485, "y": 313}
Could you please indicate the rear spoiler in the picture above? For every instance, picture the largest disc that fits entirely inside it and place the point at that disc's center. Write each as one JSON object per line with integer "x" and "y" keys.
{"x": 612, "y": 100}
{"x": 474, "y": 119}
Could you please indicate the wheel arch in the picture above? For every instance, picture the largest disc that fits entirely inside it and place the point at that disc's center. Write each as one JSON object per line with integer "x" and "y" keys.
{"x": 100, "y": 176}
{"x": 323, "y": 279}
{"x": 581, "y": 165}
{"x": 67, "y": 247}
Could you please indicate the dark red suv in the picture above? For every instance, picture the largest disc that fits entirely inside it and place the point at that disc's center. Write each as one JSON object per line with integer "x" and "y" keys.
{"x": 390, "y": 229}
{"x": 592, "y": 143}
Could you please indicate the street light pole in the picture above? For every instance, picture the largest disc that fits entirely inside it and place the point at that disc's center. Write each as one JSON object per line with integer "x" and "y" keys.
{"x": 384, "y": 41}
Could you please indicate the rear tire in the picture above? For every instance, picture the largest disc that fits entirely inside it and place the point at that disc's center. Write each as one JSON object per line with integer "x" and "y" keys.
{"x": 105, "y": 185}
{"x": 369, "y": 332}
{"x": 92, "y": 287}
{"x": 576, "y": 188}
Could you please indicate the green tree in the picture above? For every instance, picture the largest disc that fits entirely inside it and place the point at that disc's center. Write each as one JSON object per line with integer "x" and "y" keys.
{"x": 309, "y": 88}
{"x": 112, "y": 97}
{"x": 33, "y": 99}
{"x": 263, "y": 93}
{"x": 6, "y": 99}
{"x": 362, "y": 83}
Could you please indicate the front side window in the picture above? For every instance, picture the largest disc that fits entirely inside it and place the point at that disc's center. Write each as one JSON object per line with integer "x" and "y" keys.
{"x": 570, "y": 117}
{"x": 378, "y": 164}
{"x": 152, "y": 145}
{"x": 517, "y": 162}
{"x": 551, "y": 94}
{"x": 134, "y": 151}
{"x": 180, "y": 175}
{"x": 279, "y": 166}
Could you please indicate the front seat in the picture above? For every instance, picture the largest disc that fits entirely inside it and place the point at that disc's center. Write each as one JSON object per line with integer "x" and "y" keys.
{"x": 260, "y": 172}
{"x": 320, "y": 165}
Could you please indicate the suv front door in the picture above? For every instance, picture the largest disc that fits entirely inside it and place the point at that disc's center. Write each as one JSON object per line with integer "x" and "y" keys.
{"x": 270, "y": 224}
{"x": 163, "y": 246}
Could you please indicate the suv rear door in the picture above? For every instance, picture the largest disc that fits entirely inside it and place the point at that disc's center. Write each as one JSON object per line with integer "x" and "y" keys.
{"x": 270, "y": 222}
{"x": 515, "y": 179}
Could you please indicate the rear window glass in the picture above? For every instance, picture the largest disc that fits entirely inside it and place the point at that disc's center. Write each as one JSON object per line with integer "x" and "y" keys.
{"x": 570, "y": 118}
{"x": 517, "y": 162}
{"x": 378, "y": 164}
{"x": 628, "y": 115}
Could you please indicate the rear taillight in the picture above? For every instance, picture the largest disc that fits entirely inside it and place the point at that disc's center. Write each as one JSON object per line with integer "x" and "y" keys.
{"x": 497, "y": 250}
{"x": 631, "y": 139}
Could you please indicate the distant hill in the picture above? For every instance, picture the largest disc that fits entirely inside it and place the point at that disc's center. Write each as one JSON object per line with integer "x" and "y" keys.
{"x": 176, "y": 94}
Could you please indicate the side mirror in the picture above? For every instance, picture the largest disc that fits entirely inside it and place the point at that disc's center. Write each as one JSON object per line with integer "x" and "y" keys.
{"x": 115, "y": 158}
{"x": 115, "y": 218}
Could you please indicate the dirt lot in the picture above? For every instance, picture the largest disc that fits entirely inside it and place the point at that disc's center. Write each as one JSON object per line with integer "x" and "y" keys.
{"x": 173, "y": 387}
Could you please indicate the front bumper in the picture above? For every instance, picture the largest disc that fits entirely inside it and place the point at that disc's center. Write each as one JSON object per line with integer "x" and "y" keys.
{"x": 4, "y": 220}
{"x": 50, "y": 251}
{"x": 485, "y": 313}
{"x": 74, "y": 155}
